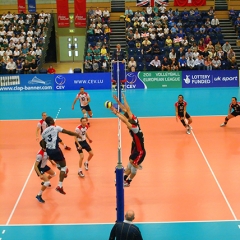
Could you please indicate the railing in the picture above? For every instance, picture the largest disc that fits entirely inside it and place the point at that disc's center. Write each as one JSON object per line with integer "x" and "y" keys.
{"x": 47, "y": 40}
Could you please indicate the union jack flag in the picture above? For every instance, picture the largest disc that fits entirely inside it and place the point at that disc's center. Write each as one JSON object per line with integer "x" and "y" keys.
{"x": 141, "y": 3}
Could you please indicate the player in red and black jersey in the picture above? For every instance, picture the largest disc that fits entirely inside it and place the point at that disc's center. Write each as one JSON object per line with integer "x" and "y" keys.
{"x": 138, "y": 151}
{"x": 233, "y": 111}
{"x": 181, "y": 113}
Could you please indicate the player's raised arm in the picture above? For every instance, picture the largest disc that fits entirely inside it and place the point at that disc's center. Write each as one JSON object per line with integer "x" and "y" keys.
{"x": 69, "y": 133}
{"x": 121, "y": 117}
{"x": 120, "y": 104}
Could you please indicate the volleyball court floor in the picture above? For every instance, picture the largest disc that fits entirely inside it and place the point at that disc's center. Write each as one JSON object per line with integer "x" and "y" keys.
{"x": 188, "y": 188}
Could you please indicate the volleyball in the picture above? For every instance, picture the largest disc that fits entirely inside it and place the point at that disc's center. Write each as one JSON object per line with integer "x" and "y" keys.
{"x": 108, "y": 104}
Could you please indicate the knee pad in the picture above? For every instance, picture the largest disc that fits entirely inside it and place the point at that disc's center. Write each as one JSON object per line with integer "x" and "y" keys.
{"x": 46, "y": 184}
{"x": 133, "y": 170}
{"x": 128, "y": 166}
{"x": 63, "y": 169}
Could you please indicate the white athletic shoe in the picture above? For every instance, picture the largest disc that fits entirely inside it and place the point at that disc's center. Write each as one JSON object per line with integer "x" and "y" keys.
{"x": 126, "y": 184}
{"x": 80, "y": 174}
{"x": 86, "y": 166}
{"x": 188, "y": 131}
{"x": 223, "y": 125}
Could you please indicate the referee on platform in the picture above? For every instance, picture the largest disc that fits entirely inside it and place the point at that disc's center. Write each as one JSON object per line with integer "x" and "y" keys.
{"x": 126, "y": 230}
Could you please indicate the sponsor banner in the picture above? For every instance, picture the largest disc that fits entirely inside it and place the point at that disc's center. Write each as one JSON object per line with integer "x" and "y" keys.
{"x": 80, "y": 13}
{"x": 87, "y": 80}
{"x": 63, "y": 13}
{"x": 21, "y": 6}
{"x": 26, "y": 82}
{"x": 221, "y": 78}
{"x": 32, "y": 6}
{"x": 133, "y": 82}
{"x": 164, "y": 79}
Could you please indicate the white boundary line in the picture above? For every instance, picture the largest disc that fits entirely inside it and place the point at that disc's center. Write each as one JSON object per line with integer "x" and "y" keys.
{"x": 215, "y": 178}
{"x": 84, "y": 224}
{"x": 19, "y": 197}
{"x": 5, "y": 120}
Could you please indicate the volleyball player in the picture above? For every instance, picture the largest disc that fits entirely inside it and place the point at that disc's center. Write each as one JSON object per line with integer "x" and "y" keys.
{"x": 41, "y": 125}
{"x": 84, "y": 99}
{"x": 81, "y": 143}
{"x": 181, "y": 113}
{"x": 41, "y": 169}
{"x": 50, "y": 143}
{"x": 138, "y": 152}
{"x": 233, "y": 111}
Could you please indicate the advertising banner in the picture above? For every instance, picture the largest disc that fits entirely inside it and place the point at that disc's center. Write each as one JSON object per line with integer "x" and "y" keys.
{"x": 21, "y": 6}
{"x": 89, "y": 81}
{"x": 221, "y": 78}
{"x": 164, "y": 79}
{"x": 63, "y": 13}
{"x": 26, "y": 82}
{"x": 80, "y": 13}
{"x": 32, "y": 6}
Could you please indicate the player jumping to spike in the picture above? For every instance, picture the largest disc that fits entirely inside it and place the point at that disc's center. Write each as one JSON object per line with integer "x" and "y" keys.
{"x": 181, "y": 113}
{"x": 138, "y": 151}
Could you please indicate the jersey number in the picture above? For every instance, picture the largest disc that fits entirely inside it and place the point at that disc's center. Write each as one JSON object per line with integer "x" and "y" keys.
{"x": 49, "y": 138}
{"x": 83, "y": 98}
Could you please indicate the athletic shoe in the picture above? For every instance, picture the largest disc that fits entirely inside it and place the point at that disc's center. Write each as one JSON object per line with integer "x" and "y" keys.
{"x": 67, "y": 148}
{"x": 188, "y": 131}
{"x": 39, "y": 198}
{"x": 86, "y": 166}
{"x": 48, "y": 185}
{"x": 66, "y": 174}
{"x": 60, "y": 189}
{"x": 80, "y": 174}
{"x": 223, "y": 125}
{"x": 126, "y": 184}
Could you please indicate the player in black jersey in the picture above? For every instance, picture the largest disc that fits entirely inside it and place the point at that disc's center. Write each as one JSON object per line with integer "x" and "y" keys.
{"x": 138, "y": 152}
{"x": 181, "y": 113}
{"x": 234, "y": 110}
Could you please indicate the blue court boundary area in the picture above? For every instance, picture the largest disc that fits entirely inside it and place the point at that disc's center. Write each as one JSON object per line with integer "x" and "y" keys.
{"x": 219, "y": 230}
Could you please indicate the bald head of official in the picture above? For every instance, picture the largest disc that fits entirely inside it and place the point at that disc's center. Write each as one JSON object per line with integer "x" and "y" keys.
{"x": 130, "y": 215}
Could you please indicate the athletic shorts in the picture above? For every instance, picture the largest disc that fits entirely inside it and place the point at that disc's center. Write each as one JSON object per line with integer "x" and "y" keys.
{"x": 87, "y": 108}
{"x": 55, "y": 154}
{"x": 43, "y": 170}
{"x": 84, "y": 145}
{"x": 138, "y": 157}
{"x": 234, "y": 113}
{"x": 181, "y": 114}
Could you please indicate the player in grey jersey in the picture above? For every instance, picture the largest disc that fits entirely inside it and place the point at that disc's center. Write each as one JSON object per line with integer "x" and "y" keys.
{"x": 50, "y": 143}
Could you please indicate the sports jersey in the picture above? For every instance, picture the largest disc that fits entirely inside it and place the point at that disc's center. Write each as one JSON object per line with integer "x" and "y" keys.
{"x": 180, "y": 106}
{"x": 42, "y": 158}
{"x": 138, "y": 138}
{"x": 50, "y": 136}
{"x": 83, "y": 98}
{"x": 235, "y": 107}
{"x": 42, "y": 125}
{"x": 82, "y": 132}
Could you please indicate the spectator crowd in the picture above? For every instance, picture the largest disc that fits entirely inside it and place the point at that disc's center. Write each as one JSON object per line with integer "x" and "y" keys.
{"x": 22, "y": 38}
